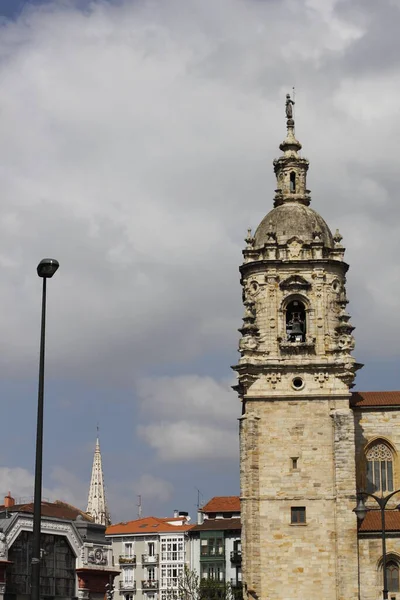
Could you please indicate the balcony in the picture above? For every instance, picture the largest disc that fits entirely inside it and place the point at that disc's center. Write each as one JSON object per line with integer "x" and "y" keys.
{"x": 127, "y": 560}
{"x": 127, "y": 586}
{"x": 147, "y": 559}
{"x": 236, "y": 557}
{"x": 149, "y": 584}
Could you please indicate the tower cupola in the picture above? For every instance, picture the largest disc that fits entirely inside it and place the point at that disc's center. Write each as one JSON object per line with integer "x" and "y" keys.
{"x": 290, "y": 168}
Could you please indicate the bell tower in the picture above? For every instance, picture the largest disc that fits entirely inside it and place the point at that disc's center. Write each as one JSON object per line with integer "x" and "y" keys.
{"x": 295, "y": 372}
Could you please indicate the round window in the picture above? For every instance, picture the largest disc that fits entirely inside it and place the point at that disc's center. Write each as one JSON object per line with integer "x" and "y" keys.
{"x": 298, "y": 383}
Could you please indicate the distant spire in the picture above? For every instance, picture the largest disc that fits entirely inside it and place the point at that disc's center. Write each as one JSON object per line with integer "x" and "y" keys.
{"x": 97, "y": 505}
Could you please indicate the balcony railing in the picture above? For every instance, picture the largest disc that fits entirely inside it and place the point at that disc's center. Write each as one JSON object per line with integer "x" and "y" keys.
{"x": 147, "y": 559}
{"x": 149, "y": 584}
{"x": 236, "y": 557}
{"x": 129, "y": 586}
{"x": 127, "y": 560}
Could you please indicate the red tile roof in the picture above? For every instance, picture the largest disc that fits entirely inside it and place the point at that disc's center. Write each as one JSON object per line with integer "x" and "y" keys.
{"x": 222, "y": 504}
{"x": 361, "y": 399}
{"x": 219, "y": 525}
{"x": 147, "y": 525}
{"x": 58, "y": 509}
{"x": 372, "y": 521}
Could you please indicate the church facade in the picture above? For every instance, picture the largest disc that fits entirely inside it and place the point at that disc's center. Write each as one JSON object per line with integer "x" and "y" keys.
{"x": 308, "y": 444}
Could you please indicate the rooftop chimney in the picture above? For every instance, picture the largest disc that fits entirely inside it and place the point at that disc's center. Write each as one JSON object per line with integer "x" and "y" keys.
{"x": 176, "y": 514}
{"x": 8, "y": 501}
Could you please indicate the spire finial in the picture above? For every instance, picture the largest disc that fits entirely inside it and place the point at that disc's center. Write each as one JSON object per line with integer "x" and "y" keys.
{"x": 290, "y": 168}
{"x": 289, "y": 109}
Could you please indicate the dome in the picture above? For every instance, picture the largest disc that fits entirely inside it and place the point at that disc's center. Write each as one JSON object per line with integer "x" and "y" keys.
{"x": 293, "y": 219}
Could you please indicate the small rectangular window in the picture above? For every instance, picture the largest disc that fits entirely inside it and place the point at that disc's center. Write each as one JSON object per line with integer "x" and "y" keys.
{"x": 298, "y": 515}
{"x": 295, "y": 461}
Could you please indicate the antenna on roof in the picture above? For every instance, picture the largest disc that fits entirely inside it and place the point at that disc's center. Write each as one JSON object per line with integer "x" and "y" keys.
{"x": 139, "y": 505}
{"x": 199, "y": 497}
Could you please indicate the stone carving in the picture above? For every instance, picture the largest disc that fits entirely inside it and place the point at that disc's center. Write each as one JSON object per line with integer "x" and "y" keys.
{"x": 252, "y": 288}
{"x": 294, "y": 283}
{"x": 271, "y": 235}
{"x": 289, "y": 107}
{"x": 3, "y": 545}
{"x": 337, "y": 238}
{"x": 274, "y": 379}
{"x": 294, "y": 249}
{"x": 66, "y": 529}
{"x": 97, "y": 557}
{"x": 249, "y": 329}
{"x": 249, "y": 240}
{"x": 321, "y": 378}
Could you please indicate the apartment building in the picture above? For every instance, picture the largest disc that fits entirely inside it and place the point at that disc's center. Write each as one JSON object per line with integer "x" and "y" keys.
{"x": 151, "y": 554}
{"x": 215, "y": 542}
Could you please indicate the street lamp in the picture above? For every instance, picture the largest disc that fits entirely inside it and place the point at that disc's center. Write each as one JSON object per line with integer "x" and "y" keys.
{"x": 361, "y": 510}
{"x": 46, "y": 269}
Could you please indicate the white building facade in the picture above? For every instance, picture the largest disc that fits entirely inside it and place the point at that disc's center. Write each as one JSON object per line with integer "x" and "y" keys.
{"x": 151, "y": 554}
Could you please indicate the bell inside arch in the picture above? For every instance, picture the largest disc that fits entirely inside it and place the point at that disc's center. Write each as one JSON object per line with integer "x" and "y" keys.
{"x": 296, "y": 322}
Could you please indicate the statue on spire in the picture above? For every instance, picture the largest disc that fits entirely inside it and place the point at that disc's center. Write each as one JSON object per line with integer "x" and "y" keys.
{"x": 289, "y": 107}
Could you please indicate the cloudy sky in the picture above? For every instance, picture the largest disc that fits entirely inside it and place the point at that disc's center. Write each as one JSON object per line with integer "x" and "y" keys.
{"x": 136, "y": 147}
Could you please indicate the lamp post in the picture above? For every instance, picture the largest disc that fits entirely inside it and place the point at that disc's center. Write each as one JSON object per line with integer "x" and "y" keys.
{"x": 46, "y": 269}
{"x": 361, "y": 510}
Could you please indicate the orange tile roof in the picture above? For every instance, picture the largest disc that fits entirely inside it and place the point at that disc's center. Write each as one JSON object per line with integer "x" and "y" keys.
{"x": 361, "y": 399}
{"x": 372, "y": 521}
{"x": 58, "y": 509}
{"x": 147, "y": 525}
{"x": 221, "y": 504}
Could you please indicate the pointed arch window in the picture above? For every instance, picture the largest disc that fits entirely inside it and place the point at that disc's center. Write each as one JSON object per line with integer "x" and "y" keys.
{"x": 293, "y": 182}
{"x": 392, "y": 572}
{"x": 296, "y": 321}
{"x": 379, "y": 468}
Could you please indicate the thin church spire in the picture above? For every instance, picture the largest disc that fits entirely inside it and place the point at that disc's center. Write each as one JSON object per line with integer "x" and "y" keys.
{"x": 97, "y": 505}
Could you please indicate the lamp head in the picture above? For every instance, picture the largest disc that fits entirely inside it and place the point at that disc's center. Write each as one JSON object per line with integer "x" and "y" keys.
{"x": 47, "y": 267}
{"x": 360, "y": 510}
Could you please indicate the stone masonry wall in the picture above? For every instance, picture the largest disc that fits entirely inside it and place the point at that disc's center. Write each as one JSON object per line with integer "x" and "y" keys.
{"x": 302, "y": 561}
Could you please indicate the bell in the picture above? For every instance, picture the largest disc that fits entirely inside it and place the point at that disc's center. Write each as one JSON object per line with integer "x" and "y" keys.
{"x": 297, "y": 328}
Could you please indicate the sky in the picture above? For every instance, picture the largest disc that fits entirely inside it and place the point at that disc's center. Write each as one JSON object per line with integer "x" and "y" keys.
{"x": 136, "y": 147}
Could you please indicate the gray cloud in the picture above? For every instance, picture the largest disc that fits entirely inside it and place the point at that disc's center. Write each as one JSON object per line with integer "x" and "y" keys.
{"x": 136, "y": 146}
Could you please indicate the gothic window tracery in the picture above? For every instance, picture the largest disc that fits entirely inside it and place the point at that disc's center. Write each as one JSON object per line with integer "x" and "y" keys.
{"x": 296, "y": 321}
{"x": 392, "y": 572}
{"x": 379, "y": 468}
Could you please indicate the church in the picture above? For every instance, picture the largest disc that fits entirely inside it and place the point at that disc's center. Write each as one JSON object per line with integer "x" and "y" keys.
{"x": 311, "y": 449}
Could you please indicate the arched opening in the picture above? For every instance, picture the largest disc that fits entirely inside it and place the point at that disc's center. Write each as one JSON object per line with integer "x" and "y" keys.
{"x": 293, "y": 182}
{"x": 392, "y": 574}
{"x": 296, "y": 321}
{"x": 57, "y": 571}
{"x": 379, "y": 458}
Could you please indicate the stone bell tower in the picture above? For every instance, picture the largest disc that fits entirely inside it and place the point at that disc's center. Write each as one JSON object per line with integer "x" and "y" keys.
{"x": 295, "y": 372}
